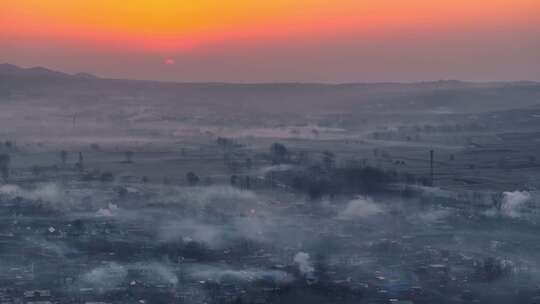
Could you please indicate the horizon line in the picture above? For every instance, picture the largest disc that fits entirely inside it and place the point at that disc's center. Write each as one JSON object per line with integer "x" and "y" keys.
{"x": 93, "y": 76}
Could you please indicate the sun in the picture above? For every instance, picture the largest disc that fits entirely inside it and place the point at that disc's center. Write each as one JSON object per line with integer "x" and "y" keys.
{"x": 169, "y": 61}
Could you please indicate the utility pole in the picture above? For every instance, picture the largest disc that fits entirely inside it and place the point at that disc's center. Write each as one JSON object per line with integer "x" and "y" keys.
{"x": 80, "y": 164}
{"x": 431, "y": 156}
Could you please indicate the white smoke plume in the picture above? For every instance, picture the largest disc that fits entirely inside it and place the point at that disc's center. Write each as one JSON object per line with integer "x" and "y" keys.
{"x": 214, "y": 235}
{"x": 303, "y": 260}
{"x": 59, "y": 249}
{"x": 218, "y": 274}
{"x": 113, "y": 274}
{"x": 192, "y": 231}
{"x": 156, "y": 272}
{"x": 110, "y": 211}
{"x": 44, "y": 192}
{"x": 361, "y": 207}
{"x": 433, "y": 216}
{"x": 225, "y": 199}
{"x": 106, "y": 276}
{"x": 512, "y": 203}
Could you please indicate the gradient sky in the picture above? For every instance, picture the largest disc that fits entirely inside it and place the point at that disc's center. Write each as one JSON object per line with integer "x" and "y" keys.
{"x": 277, "y": 40}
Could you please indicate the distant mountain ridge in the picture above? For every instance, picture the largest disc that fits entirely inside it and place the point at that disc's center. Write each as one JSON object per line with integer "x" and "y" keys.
{"x": 13, "y": 71}
{"x": 170, "y": 99}
{"x": 10, "y": 70}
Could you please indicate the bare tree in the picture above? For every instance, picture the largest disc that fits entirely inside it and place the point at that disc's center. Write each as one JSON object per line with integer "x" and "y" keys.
{"x": 80, "y": 163}
{"x": 129, "y": 157}
{"x": 225, "y": 143}
{"x": 249, "y": 163}
{"x": 192, "y": 178}
{"x": 328, "y": 159}
{"x": 279, "y": 153}
{"x": 234, "y": 179}
{"x": 9, "y": 145}
{"x": 247, "y": 183}
{"x": 63, "y": 157}
{"x": 5, "y": 161}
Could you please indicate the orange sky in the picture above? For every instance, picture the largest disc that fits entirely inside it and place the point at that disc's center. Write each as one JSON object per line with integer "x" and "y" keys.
{"x": 170, "y": 27}
{"x": 164, "y": 24}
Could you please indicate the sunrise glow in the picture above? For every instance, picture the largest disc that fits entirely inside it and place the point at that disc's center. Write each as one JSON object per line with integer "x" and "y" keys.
{"x": 275, "y": 40}
{"x": 162, "y": 25}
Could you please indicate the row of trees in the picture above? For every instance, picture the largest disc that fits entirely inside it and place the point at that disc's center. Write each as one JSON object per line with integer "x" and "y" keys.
{"x": 279, "y": 154}
{"x": 324, "y": 178}
{"x": 64, "y": 155}
{"x": 317, "y": 182}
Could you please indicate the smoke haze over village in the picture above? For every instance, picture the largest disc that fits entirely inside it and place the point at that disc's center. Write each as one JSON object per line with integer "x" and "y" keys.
{"x": 348, "y": 151}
